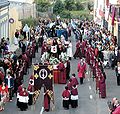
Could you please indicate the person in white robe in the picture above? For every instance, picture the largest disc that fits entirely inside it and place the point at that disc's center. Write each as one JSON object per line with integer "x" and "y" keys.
{"x": 69, "y": 50}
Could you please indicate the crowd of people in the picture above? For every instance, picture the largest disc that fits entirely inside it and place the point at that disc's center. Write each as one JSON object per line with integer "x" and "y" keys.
{"x": 13, "y": 67}
{"x": 56, "y": 48}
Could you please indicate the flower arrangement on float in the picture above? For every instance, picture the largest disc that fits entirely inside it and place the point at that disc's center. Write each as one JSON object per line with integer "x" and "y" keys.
{"x": 63, "y": 57}
{"x": 45, "y": 56}
{"x": 54, "y": 61}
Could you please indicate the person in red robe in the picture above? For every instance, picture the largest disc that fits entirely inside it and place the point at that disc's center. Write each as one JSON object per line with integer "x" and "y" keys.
{"x": 83, "y": 48}
{"x": 112, "y": 105}
{"x": 94, "y": 68}
{"x": 69, "y": 84}
{"x": 44, "y": 48}
{"x": 66, "y": 97}
{"x": 62, "y": 74}
{"x": 117, "y": 110}
{"x": 33, "y": 49}
{"x": 78, "y": 51}
{"x": 102, "y": 87}
{"x": 29, "y": 55}
{"x": 74, "y": 96}
{"x": 68, "y": 70}
{"x": 98, "y": 72}
{"x": 1, "y": 77}
{"x": 24, "y": 67}
{"x": 31, "y": 89}
{"x": 23, "y": 99}
{"x": 81, "y": 70}
{"x": 24, "y": 57}
{"x": 87, "y": 55}
{"x": 46, "y": 101}
{"x": 18, "y": 92}
{"x": 96, "y": 51}
{"x": 74, "y": 80}
{"x": 4, "y": 95}
{"x": 31, "y": 92}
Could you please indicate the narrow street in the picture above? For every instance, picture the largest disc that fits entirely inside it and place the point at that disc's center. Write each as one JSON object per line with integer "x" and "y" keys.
{"x": 89, "y": 101}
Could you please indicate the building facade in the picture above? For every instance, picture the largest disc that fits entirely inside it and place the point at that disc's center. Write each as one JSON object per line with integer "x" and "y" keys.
{"x": 114, "y": 18}
{"x": 14, "y": 23}
{"x": 4, "y": 18}
{"x": 22, "y": 9}
{"x": 107, "y": 14}
{"x": 99, "y": 12}
{"x": 25, "y": 8}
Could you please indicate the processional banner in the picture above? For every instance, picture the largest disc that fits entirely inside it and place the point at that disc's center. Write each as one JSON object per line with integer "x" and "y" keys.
{"x": 43, "y": 77}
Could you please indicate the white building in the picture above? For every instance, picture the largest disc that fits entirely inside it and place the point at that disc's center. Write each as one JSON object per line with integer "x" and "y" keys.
{"x": 107, "y": 14}
{"x": 4, "y": 18}
{"x": 25, "y": 8}
{"x": 99, "y": 11}
{"x": 114, "y": 1}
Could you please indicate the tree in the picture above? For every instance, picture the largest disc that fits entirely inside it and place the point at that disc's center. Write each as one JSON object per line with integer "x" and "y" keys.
{"x": 70, "y": 5}
{"x": 79, "y": 5}
{"x": 58, "y": 7}
{"x": 31, "y": 22}
{"x": 65, "y": 14}
{"x": 43, "y": 5}
{"x": 90, "y": 6}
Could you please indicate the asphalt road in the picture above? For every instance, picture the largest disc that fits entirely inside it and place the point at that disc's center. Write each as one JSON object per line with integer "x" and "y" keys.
{"x": 89, "y": 101}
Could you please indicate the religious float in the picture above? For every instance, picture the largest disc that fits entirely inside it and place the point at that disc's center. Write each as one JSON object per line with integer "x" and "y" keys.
{"x": 55, "y": 55}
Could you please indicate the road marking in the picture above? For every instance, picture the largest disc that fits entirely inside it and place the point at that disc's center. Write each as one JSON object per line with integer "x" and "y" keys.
{"x": 42, "y": 109}
{"x": 88, "y": 79}
{"x": 91, "y": 97}
{"x": 90, "y": 88}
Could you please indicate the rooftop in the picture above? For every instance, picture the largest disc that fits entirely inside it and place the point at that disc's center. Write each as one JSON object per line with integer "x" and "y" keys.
{"x": 23, "y": 1}
{"x": 4, "y": 3}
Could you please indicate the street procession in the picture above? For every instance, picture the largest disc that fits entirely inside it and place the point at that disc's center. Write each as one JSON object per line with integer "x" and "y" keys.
{"x": 61, "y": 66}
